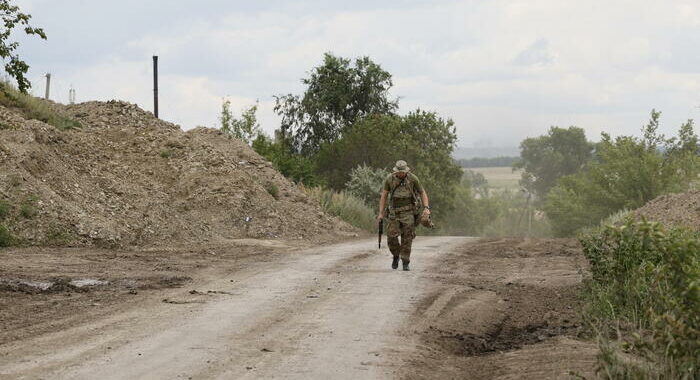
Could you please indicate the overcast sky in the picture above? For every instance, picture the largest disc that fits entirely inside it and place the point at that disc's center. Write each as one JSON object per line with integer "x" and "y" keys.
{"x": 502, "y": 70}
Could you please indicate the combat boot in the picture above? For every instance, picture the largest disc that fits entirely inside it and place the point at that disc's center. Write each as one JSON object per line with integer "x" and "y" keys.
{"x": 395, "y": 262}
{"x": 405, "y": 265}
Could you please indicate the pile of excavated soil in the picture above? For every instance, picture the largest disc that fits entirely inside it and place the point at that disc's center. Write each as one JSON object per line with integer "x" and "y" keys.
{"x": 674, "y": 210}
{"x": 128, "y": 179}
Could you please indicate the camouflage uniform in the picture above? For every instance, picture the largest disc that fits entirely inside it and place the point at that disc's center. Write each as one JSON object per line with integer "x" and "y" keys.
{"x": 402, "y": 211}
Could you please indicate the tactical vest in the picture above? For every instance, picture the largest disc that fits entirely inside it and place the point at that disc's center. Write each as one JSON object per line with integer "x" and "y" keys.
{"x": 402, "y": 196}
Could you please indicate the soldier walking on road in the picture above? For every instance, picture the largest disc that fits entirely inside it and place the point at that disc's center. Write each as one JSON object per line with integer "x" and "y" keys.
{"x": 407, "y": 201}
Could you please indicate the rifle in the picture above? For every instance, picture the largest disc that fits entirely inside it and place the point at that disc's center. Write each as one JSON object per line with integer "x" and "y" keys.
{"x": 381, "y": 231}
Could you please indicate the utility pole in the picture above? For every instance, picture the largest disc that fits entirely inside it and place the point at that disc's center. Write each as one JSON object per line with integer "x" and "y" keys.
{"x": 155, "y": 85}
{"x": 48, "y": 85}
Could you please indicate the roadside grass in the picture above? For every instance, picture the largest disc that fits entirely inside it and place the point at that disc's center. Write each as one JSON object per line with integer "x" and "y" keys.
{"x": 642, "y": 300}
{"x": 33, "y": 108}
{"x": 4, "y": 209}
{"x": 345, "y": 206}
{"x": 5, "y": 237}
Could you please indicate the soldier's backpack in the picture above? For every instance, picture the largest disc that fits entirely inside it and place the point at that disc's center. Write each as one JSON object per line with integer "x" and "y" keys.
{"x": 417, "y": 200}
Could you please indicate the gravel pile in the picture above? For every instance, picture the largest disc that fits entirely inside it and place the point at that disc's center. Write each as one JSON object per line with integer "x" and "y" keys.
{"x": 128, "y": 179}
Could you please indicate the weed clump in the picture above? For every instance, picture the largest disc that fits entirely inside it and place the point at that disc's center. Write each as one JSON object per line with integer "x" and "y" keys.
{"x": 34, "y": 108}
{"x": 346, "y": 206}
{"x": 273, "y": 190}
{"x": 5, "y": 237}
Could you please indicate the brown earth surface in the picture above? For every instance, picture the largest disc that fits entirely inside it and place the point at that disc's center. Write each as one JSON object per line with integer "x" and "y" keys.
{"x": 674, "y": 210}
{"x": 469, "y": 309}
{"x": 126, "y": 179}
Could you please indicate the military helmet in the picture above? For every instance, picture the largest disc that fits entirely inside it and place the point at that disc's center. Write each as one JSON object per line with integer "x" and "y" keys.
{"x": 401, "y": 166}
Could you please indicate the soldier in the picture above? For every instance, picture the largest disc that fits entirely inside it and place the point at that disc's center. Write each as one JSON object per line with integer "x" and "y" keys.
{"x": 403, "y": 189}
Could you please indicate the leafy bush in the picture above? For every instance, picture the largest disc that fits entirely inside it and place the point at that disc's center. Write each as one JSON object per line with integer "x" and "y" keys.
{"x": 366, "y": 183}
{"x": 346, "y": 206}
{"x": 34, "y": 108}
{"x": 645, "y": 285}
{"x": 294, "y": 166}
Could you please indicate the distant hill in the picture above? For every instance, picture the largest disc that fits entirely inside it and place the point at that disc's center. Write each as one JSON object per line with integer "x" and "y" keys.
{"x": 485, "y": 152}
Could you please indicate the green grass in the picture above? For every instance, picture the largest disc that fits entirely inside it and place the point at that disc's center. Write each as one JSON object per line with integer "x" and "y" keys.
{"x": 166, "y": 153}
{"x": 5, "y": 238}
{"x": 273, "y": 190}
{"x": 500, "y": 178}
{"x": 33, "y": 108}
{"x": 4, "y": 209}
{"x": 345, "y": 206}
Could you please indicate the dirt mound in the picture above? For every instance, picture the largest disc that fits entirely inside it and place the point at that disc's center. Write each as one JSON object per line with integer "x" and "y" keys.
{"x": 128, "y": 179}
{"x": 674, "y": 210}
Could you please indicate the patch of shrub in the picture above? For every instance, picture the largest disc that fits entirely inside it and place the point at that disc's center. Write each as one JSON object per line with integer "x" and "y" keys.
{"x": 166, "y": 153}
{"x": 645, "y": 290}
{"x": 346, "y": 206}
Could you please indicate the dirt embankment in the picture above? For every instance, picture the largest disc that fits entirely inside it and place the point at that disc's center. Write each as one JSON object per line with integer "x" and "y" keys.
{"x": 128, "y": 179}
{"x": 674, "y": 210}
{"x": 507, "y": 309}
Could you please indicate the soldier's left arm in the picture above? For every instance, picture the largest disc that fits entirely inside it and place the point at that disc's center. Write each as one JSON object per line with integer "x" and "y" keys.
{"x": 423, "y": 195}
{"x": 426, "y": 202}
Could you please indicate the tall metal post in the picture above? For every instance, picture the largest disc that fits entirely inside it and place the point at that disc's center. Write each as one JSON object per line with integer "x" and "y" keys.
{"x": 48, "y": 85}
{"x": 155, "y": 85}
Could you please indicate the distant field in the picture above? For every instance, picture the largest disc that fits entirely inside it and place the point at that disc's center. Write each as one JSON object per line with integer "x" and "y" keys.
{"x": 502, "y": 177}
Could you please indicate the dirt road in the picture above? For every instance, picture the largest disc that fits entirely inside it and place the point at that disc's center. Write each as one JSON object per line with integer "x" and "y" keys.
{"x": 331, "y": 312}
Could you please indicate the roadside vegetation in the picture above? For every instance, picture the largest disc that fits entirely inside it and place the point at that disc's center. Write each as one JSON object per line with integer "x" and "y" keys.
{"x": 33, "y": 108}
{"x": 642, "y": 301}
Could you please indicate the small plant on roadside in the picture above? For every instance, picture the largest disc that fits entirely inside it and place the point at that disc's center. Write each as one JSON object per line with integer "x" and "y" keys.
{"x": 166, "y": 153}
{"x": 273, "y": 190}
{"x": 5, "y": 238}
{"x": 28, "y": 209}
{"x": 4, "y": 209}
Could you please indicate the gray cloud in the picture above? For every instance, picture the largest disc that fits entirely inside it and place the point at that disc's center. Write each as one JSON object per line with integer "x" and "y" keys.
{"x": 503, "y": 70}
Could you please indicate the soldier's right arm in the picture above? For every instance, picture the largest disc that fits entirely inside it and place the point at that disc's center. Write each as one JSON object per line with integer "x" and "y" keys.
{"x": 382, "y": 204}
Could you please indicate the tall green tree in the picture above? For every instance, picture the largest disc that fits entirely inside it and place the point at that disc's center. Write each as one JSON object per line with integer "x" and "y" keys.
{"x": 338, "y": 94}
{"x": 14, "y": 65}
{"x": 423, "y": 139}
{"x": 626, "y": 173}
{"x": 547, "y": 158}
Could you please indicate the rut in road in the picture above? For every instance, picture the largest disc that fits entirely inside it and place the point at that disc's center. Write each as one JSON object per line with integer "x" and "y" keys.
{"x": 332, "y": 312}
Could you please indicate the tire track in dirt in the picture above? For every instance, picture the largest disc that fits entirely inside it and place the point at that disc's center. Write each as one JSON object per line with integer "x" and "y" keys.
{"x": 334, "y": 311}
{"x": 506, "y": 309}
